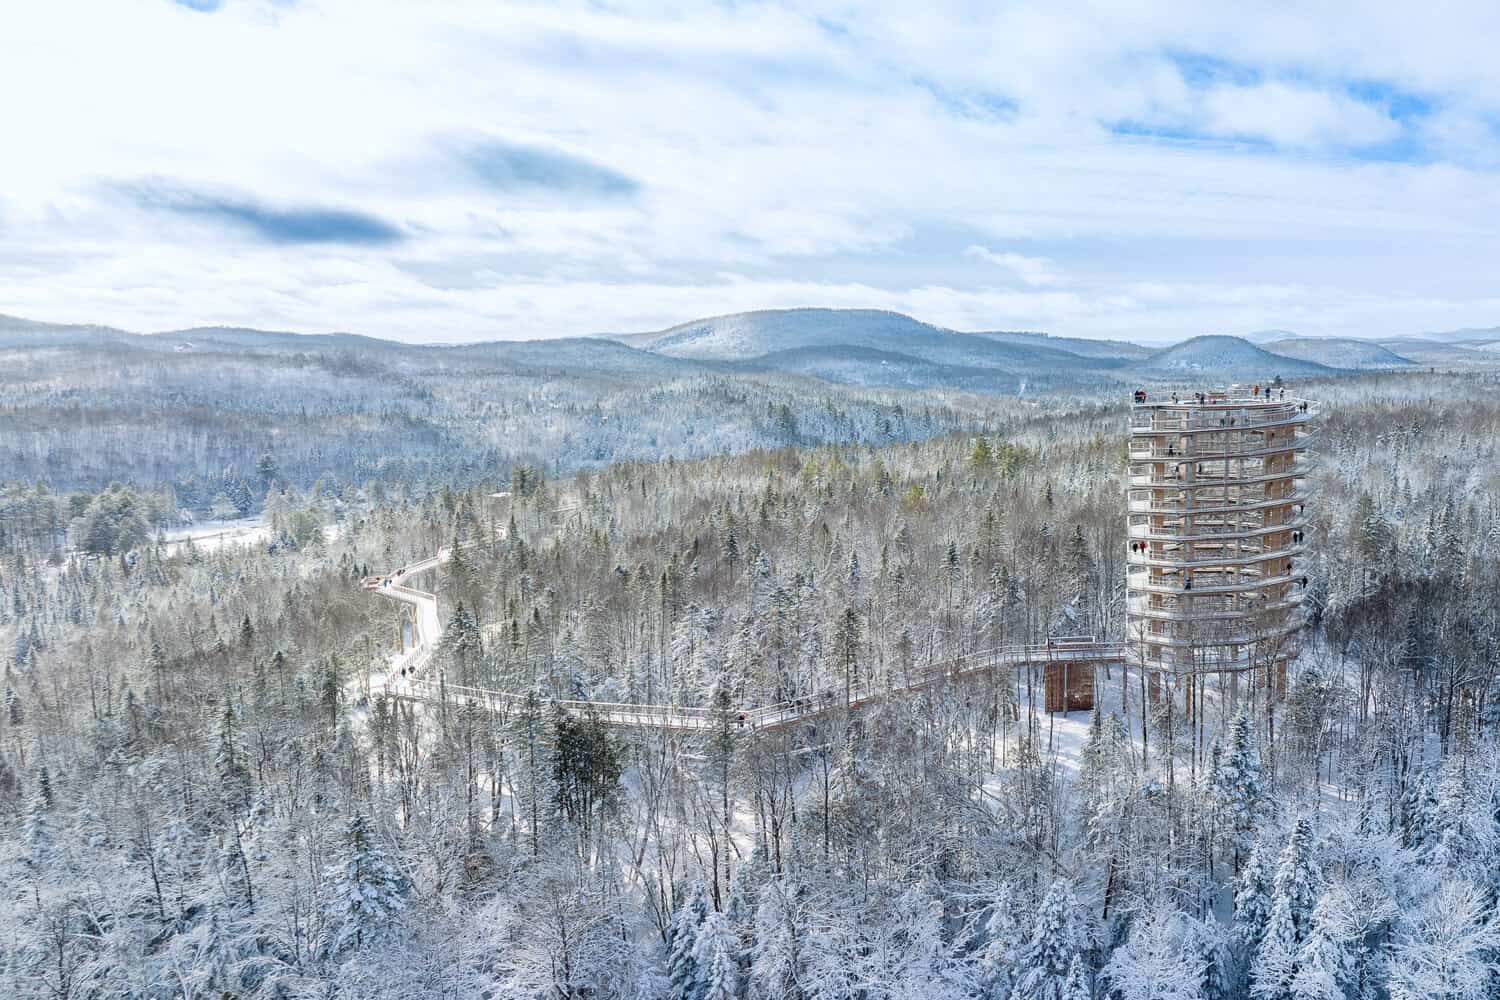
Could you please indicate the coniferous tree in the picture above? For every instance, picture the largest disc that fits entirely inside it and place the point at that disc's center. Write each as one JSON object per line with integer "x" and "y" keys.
{"x": 1293, "y": 898}
{"x": 716, "y": 955}
{"x": 1325, "y": 963}
{"x": 1057, "y": 938}
{"x": 366, "y": 894}
{"x": 1252, "y": 902}
{"x": 782, "y": 940}
{"x": 1236, "y": 786}
{"x": 230, "y": 764}
{"x": 685, "y": 973}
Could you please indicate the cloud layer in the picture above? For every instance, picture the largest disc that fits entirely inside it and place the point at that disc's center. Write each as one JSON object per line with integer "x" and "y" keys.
{"x": 459, "y": 170}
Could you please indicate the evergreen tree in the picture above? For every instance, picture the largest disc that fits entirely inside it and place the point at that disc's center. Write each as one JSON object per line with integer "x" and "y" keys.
{"x": 1076, "y": 987}
{"x": 38, "y": 828}
{"x": 230, "y": 765}
{"x": 1003, "y": 942}
{"x": 685, "y": 973}
{"x": 1236, "y": 787}
{"x": 782, "y": 944}
{"x": 1294, "y": 896}
{"x": 1325, "y": 963}
{"x": 1297, "y": 878}
{"x": 365, "y": 893}
{"x": 1252, "y": 901}
{"x": 717, "y": 958}
{"x": 1057, "y": 938}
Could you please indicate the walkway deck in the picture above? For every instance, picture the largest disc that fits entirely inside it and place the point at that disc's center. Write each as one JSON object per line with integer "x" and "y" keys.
{"x": 409, "y": 678}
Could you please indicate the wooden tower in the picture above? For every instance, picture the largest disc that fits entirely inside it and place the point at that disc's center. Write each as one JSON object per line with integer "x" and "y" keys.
{"x": 1218, "y": 514}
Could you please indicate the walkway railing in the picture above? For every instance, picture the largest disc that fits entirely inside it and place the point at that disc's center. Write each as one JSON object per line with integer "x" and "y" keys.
{"x": 687, "y": 718}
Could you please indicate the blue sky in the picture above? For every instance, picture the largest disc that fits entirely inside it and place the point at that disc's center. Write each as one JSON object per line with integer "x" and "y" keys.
{"x": 458, "y": 171}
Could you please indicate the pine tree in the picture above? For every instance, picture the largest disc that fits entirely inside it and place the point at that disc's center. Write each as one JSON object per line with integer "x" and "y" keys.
{"x": 230, "y": 765}
{"x": 1293, "y": 898}
{"x": 782, "y": 944}
{"x": 1236, "y": 786}
{"x": 740, "y": 909}
{"x": 365, "y": 893}
{"x": 1325, "y": 964}
{"x": 1056, "y": 939}
{"x": 1104, "y": 766}
{"x": 1079, "y": 566}
{"x": 980, "y": 457}
{"x": 1003, "y": 941}
{"x": 1275, "y": 963}
{"x": 684, "y": 972}
{"x": 38, "y": 828}
{"x": 716, "y": 955}
{"x": 1252, "y": 901}
{"x": 1297, "y": 878}
{"x": 1076, "y": 987}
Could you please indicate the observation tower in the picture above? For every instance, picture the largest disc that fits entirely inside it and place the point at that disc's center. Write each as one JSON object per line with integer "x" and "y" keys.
{"x": 1218, "y": 517}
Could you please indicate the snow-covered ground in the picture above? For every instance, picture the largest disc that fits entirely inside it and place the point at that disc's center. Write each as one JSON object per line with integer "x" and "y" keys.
{"x": 213, "y": 534}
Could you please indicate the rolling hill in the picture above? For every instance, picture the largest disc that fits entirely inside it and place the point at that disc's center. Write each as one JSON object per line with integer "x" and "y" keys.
{"x": 872, "y": 347}
{"x": 1081, "y": 346}
{"x": 1338, "y": 352}
{"x": 1437, "y": 352}
{"x": 1468, "y": 337}
{"x": 1227, "y": 357}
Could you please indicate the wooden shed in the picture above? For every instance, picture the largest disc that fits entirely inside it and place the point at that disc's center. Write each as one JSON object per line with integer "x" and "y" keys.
{"x": 1069, "y": 673}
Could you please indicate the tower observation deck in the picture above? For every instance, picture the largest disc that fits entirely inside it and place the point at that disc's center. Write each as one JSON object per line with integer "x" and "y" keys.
{"x": 1218, "y": 495}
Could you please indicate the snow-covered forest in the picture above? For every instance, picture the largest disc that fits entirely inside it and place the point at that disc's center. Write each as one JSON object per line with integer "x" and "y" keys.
{"x": 205, "y": 791}
{"x": 82, "y": 415}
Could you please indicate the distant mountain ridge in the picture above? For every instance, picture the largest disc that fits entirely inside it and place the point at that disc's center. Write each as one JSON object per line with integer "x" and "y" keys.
{"x": 873, "y": 347}
{"x": 1219, "y": 355}
{"x": 860, "y": 347}
{"x": 1341, "y": 352}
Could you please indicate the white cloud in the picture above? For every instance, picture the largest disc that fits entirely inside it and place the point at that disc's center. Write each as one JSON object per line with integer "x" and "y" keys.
{"x": 1035, "y": 272}
{"x": 1295, "y": 116}
{"x": 841, "y": 154}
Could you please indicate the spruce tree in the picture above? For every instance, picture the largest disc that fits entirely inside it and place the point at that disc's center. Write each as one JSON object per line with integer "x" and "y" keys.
{"x": 230, "y": 765}
{"x": 1325, "y": 963}
{"x": 1076, "y": 987}
{"x": 1252, "y": 901}
{"x": 779, "y": 964}
{"x": 365, "y": 893}
{"x": 685, "y": 974}
{"x": 1236, "y": 786}
{"x": 38, "y": 828}
{"x": 717, "y": 958}
{"x": 1293, "y": 898}
{"x": 1056, "y": 940}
